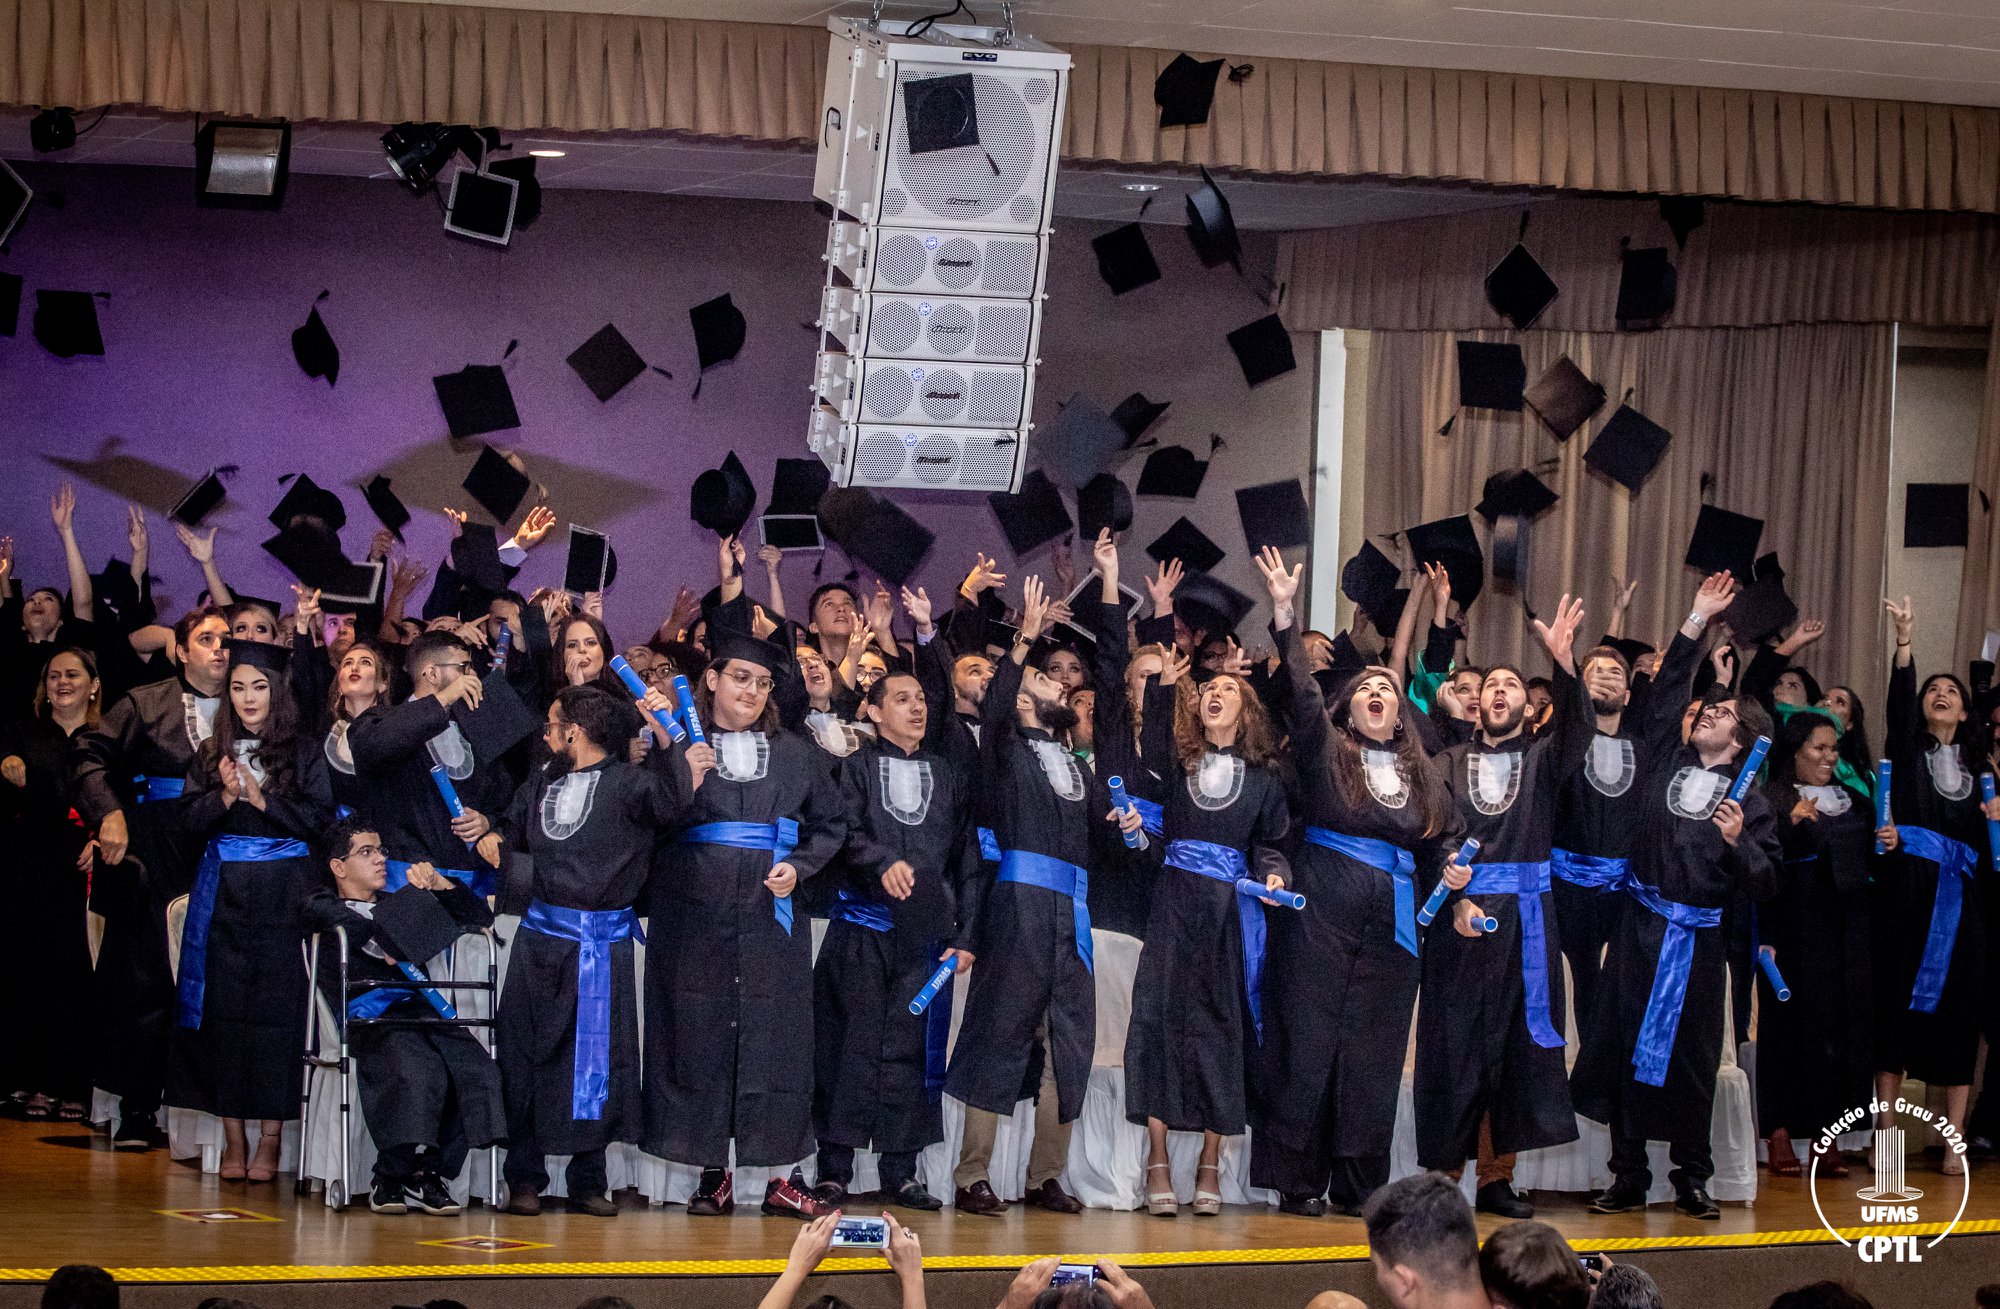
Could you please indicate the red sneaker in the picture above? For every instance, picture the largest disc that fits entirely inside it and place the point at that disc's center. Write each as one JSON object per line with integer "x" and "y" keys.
{"x": 787, "y": 1197}
{"x": 716, "y": 1200}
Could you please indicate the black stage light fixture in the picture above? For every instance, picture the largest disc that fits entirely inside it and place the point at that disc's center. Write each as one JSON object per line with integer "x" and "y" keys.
{"x": 242, "y": 164}
{"x": 52, "y": 130}
{"x": 418, "y": 152}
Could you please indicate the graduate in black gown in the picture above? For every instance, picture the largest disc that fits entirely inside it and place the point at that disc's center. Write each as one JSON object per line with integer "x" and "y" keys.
{"x": 1490, "y": 1078}
{"x": 1033, "y": 986}
{"x": 1930, "y": 946}
{"x": 45, "y": 941}
{"x": 430, "y": 1093}
{"x": 729, "y": 1033}
{"x": 568, "y": 1027}
{"x": 1648, "y": 1069}
{"x": 1341, "y": 981}
{"x": 360, "y": 683}
{"x": 256, "y": 798}
{"x": 1815, "y": 1050}
{"x": 901, "y": 906}
{"x": 128, "y": 769}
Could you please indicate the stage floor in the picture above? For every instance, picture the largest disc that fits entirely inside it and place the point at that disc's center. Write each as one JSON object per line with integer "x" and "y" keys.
{"x": 65, "y": 1197}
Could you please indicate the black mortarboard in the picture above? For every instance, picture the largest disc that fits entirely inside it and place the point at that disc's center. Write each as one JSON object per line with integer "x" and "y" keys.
{"x": 722, "y": 499}
{"x": 1103, "y": 502}
{"x": 889, "y": 541}
{"x": 1767, "y": 568}
{"x": 1080, "y": 442}
{"x": 587, "y": 561}
{"x": 940, "y": 113}
{"x": 1185, "y": 91}
{"x": 1629, "y": 647}
{"x": 305, "y": 498}
{"x": 66, "y": 323}
{"x": 475, "y": 557}
{"x": 1187, "y": 543}
{"x": 1033, "y": 516}
{"x": 116, "y": 586}
{"x": 1451, "y": 542}
{"x": 1491, "y": 375}
{"x": 1648, "y": 285}
{"x": 1173, "y": 471}
{"x": 1370, "y": 581}
{"x": 1264, "y": 349}
{"x": 199, "y": 501}
{"x": 10, "y": 303}
{"x": 1936, "y": 514}
{"x": 273, "y": 659}
{"x": 476, "y": 400}
{"x": 1723, "y": 539}
{"x": 1629, "y": 448}
{"x": 389, "y": 508}
{"x": 1274, "y": 514}
{"x": 606, "y": 362}
{"x": 1210, "y": 604}
{"x": 313, "y": 555}
{"x": 1759, "y": 612}
{"x": 1135, "y": 413}
{"x": 414, "y": 926}
{"x": 1519, "y": 289}
{"x": 1124, "y": 259}
{"x": 1683, "y": 214}
{"x": 1210, "y": 225}
{"x": 1514, "y": 491}
{"x": 313, "y": 347}
{"x": 726, "y": 643}
{"x": 1563, "y": 398}
{"x": 501, "y": 722}
{"x": 797, "y": 485}
{"x": 496, "y": 484}
{"x": 842, "y": 510}
{"x": 354, "y": 587}
{"x": 527, "y": 190}
{"x": 719, "y": 330}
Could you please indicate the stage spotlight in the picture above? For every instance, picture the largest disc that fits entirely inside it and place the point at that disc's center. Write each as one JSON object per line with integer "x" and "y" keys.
{"x": 418, "y": 152}
{"x": 482, "y": 206}
{"x": 52, "y": 129}
{"x": 242, "y": 165}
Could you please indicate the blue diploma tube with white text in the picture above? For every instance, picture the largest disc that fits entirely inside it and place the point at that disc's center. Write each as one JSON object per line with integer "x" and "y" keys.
{"x": 939, "y": 980}
{"x": 685, "y": 694}
{"x": 1440, "y": 891}
{"x": 637, "y": 686}
{"x": 452, "y": 804}
{"x": 1992, "y": 825}
{"x": 1748, "y": 773}
{"x": 1122, "y": 802}
{"x": 1882, "y": 775}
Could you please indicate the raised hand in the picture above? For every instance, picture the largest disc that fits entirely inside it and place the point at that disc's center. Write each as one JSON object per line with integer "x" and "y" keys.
{"x": 1438, "y": 578}
{"x": 687, "y": 608}
{"x": 729, "y": 556}
{"x": 1104, "y": 554}
{"x": 1903, "y": 618}
{"x": 1236, "y": 660}
{"x": 1717, "y": 590}
{"x": 7, "y": 559}
{"x": 1034, "y": 609}
{"x": 918, "y": 606}
{"x": 985, "y": 576}
{"x": 1624, "y": 600}
{"x": 135, "y": 535}
{"x": 62, "y": 509}
{"x": 593, "y": 604}
{"x": 1808, "y": 631}
{"x": 1160, "y": 586}
{"x": 770, "y": 556}
{"x": 200, "y": 545}
{"x": 380, "y": 544}
{"x": 305, "y": 600}
{"x": 539, "y": 522}
{"x": 1174, "y": 666}
{"x": 1281, "y": 582}
{"x": 761, "y": 623}
{"x": 881, "y": 611}
{"x": 1559, "y": 637}
{"x": 457, "y": 517}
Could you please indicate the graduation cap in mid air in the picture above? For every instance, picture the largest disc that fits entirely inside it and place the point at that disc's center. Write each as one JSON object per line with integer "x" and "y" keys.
{"x": 1211, "y": 226}
{"x": 1173, "y": 470}
{"x": 1370, "y": 579}
{"x": 722, "y": 498}
{"x": 1564, "y": 398}
{"x": 1514, "y": 492}
{"x": 1135, "y": 413}
{"x": 496, "y": 484}
{"x": 1264, "y": 349}
{"x": 842, "y": 510}
{"x": 305, "y": 498}
{"x": 66, "y": 323}
{"x": 1519, "y": 288}
{"x": 1631, "y": 648}
{"x": 1274, "y": 514}
{"x": 1451, "y": 542}
{"x": 1648, "y": 287}
{"x": 607, "y": 363}
{"x": 1211, "y": 605}
{"x": 1033, "y": 516}
{"x": 200, "y": 500}
{"x": 501, "y": 722}
{"x": 791, "y": 516}
{"x": 889, "y": 541}
{"x": 1936, "y": 514}
{"x": 1491, "y": 375}
{"x": 313, "y": 346}
{"x": 476, "y": 400}
{"x": 312, "y": 553}
{"x": 1724, "y": 539}
{"x": 719, "y": 332}
{"x": 1102, "y": 502}
{"x": 475, "y": 557}
{"x": 1185, "y": 91}
{"x": 1187, "y": 543}
{"x": 1628, "y": 448}
{"x": 1761, "y": 609}
{"x": 1080, "y": 442}
{"x": 387, "y": 506}
{"x": 940, "y": 113}
{"x": 1124, "y": 259}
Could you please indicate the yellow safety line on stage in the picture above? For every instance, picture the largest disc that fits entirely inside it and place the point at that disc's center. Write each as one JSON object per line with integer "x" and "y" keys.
{"x": 770, "y": 1267}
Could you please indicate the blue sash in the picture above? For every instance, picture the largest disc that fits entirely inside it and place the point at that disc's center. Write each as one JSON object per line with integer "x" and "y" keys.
{"x": 1219, "y": 862}
{"x": 483, "y": 881}
{"x": 851, "y": 908}
{"x": 373, "y": 1003}
{"x": 148, "y": 789}
{"x": 221, "y": 850}
{"x": 1954, "y": 860}
{"x": 1526, "y": 882}
{"x": 989, "y": 846}
{"x": 594, "y": 931}
{"x": 1052, "y": 874}
{"x": 1655, "y": 1048}
{"x": 780, "y": 838}
{"x": 1595, "y": 871}
{"x": 1384, "y": 857}
{"x": 1152, "y": 818}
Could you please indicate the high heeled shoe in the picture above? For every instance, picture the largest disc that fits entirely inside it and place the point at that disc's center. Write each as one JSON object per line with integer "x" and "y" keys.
{"x": 1161, "y": 1204}
{"x": 1207, "y": 1204}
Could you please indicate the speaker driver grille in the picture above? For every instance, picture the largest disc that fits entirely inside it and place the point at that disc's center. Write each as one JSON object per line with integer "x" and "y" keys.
{"x": 878, "y": 458}
{"x": 1003, "y": 331}
{"x": 986, "y": 463}
{"x": 1008, "y": 269}
{"x": 894, "y": 201}
{"x": 900, "y": 259}
{"x": 995, "y": 400}
{"x": 936, "y": 458}
{"x": 967, "y": 185}
{"x": 944, "y": 394}
{"x": 888, "y": 393}
{"x": 950, "y": 330}
{"x": 1023, "y": 208}
{"x": 1036, "y": 91}
{"x": 957, "y": 263}
{"x": 895, "y": 327}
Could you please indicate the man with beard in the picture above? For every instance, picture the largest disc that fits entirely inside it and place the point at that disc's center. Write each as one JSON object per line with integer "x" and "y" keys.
{"x": 1490, "y": 1077}
{"x": 1035, "y": 985}
{"x": 127, "y": 768}
{"x": 1648, "y": 1069}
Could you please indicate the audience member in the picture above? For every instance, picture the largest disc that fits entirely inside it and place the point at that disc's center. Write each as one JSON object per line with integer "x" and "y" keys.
{"x": 1621, "y": 1286}
{"x": 80, "y": 1286}
{"x": 1528, "y": 1265}
{"x": 1822, "y": 1295}
{"x": 1423, "y": 1244}
{"x": 905, "y": 1255}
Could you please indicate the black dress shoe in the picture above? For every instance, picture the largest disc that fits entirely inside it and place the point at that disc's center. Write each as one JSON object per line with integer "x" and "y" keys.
{"x": 1499, "y": 1197}
{"x": 1694, "y": 1202}
{"x": 1619, "y": 1198}
{"x": 597, "y": 1206}
{"x": 1050, "y": 1196}
{"x": 979, "y": 1199}
{"x": 135, "y": 1134}
{"x": 831, "y": 1194}
{"x": 912, "y": 1195}
{"x": 1302, "y": 1206}
{"x": 523, "y": 1199}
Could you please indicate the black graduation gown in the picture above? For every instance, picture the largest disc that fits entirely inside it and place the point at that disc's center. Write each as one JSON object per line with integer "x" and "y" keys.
{"x": 1475, "y": 1051}
{"x": 1121, "y": 878}
{"x": 152, "y": 732}
{"x": 1815, "y": 1051}
{"x": 1688, "y": 862}
{"x": 1338, "y": 989}
{"x": 351, "y": 791}
{"x": 872, "y": 1056}
{"x": 729, "y": 1031}
{"x": 1931, "y": 786}
{"x": 45, "y": 938}
{"x": 1028, "y": 970}
{"x": 1595, "y": 816}
{"x": 589, "y": 835}
{"x": 432, "y": 1086}
{"x": 243, "y": 1061}
{"x": 391, "y": 748}
{"x": 1191, "y": 1023}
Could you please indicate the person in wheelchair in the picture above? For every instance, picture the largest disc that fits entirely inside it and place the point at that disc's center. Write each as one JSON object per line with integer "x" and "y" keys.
{"x": 428, "y": 1093}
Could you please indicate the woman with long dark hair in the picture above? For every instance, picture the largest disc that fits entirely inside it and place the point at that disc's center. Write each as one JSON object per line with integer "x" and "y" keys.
{"x": 1341, "y": 983}
{"x": 48, "y": 943}
{"x": 583, "y": 656}
{"x": 257, "y": 795}
{"x": 1815, "y": 1049}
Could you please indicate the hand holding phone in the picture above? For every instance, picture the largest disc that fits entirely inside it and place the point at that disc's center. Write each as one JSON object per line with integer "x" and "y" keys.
{"x": 862, "y": 1233}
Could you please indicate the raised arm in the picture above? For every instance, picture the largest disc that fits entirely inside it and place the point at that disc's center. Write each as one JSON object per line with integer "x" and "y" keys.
{"x": 1571, "y": 728}
{"x": 729, "y": 564}
{"x": 1305, "y": 707}
{"x": 1904, "y": 720}
{"x": 1673, "y": 685}
{"x": 62, "y": 511}
{"x": 771, "y": 556}
{"x": 201, "y": 549}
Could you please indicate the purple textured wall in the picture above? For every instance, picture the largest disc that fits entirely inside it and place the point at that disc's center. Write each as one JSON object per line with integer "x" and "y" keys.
{"x": 199, "y": 371}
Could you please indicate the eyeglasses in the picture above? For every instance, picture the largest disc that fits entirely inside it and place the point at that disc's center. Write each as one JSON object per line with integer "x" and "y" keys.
{"x": 660, "y": 674}
{"x": 747, "y": 680}
{"x": 464, "y": 666}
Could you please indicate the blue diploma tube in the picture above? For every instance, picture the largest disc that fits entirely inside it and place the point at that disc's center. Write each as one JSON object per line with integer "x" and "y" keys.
{"x": 1440, "y": 891}
{"x": 1281, "y": 897}
{"x": 448, "y": 792}
{"x": 1882, "y": 772}
{"x": 502, "y": 644}
{"x": 1487, "y": 924}
{"x": 1769, "y": 963}
{"x": 637, "y": 686}
{"x": 685, "y": 694}
{"x": 1119, "y": 800}
{"x": 1758, "y": 749}
{"x": 939, "y": 980}
{"x": 1992, "y": 826}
